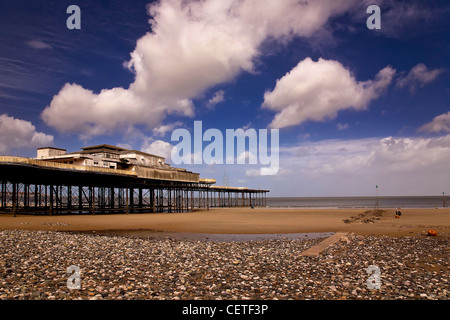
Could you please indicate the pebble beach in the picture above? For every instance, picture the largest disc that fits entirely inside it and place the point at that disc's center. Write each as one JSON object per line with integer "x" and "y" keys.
{"x": 34, "y": 265}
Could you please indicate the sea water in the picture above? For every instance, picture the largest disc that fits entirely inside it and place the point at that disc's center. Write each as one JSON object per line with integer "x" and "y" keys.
{"x": 358, "y": 202}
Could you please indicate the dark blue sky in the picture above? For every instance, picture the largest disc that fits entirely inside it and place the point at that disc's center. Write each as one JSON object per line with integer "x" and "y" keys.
{"x": 39, "y": 55}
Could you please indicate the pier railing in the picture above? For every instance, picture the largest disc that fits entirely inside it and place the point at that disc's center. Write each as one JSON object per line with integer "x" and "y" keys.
{"x": 58, "y": 165}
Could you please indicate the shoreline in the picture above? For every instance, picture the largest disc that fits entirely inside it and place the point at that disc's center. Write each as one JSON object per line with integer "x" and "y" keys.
{"x": 208, "y": 237}
{"x": 349, "y": 208}
{"x": 244, "y": 221}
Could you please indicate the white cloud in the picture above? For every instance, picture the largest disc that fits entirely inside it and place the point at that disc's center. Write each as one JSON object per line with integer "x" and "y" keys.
{"x": 401, "y": 166}
{"x": 163, "y": 129}
{"x": 158, "y": 148}
{"x": 319, "y": 159}
{"x": 410, "y": 155}
{"x": 218, "y": 97}
{"x": 253, "y": 172}
{"x": 418, "y": 77}
{"x": 75, "y": 109}
{"x": 192, "y": 47}
{"x": 438, "y": 124}
{"x": 125, "y": 146}
{"x": 316, "y": 91}
{"x": 246, "y": 157}
{"x": 20, "y": 134}
{"x": 342, "y": 126}
{"x": 38, "y": 44}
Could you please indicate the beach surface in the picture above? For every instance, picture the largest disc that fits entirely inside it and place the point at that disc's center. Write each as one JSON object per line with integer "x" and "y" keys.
{"x": 209, "y": 255}
{"x": 241, "y": 221}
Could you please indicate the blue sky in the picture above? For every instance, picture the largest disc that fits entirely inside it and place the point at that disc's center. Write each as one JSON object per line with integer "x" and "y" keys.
{"x": 354, "y": 107}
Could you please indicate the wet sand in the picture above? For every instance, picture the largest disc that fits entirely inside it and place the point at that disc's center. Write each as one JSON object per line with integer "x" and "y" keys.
{"x": 241, "y": 221}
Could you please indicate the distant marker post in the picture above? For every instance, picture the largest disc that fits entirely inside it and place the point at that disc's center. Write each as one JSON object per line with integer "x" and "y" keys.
{"x": 376, "y": 203}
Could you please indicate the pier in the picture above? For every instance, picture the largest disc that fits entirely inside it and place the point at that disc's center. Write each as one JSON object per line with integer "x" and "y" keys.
{"x": 34, "y": 186}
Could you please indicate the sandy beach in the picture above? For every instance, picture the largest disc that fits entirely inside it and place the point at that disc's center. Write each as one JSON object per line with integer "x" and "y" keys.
{"x": 181, "y": 256}
{"x": 245, "y": 221}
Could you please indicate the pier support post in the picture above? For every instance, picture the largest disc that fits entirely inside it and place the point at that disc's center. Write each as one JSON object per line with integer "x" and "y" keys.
{"x": 80, "y": 199}
{"x": 112, "y": 199}
{"x": 126, "y": 201}
{"x": 93, "y": 200}
{"x": 69, "y": 198}
{"x": 51, "y": 200}
{"x": 14, "y": 198}
{"x": 140, "y": 199}
{"x": 152, "y": 199}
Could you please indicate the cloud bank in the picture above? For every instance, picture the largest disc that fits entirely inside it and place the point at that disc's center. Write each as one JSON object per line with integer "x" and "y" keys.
{"x": 192, "y": 47}
{"x": 400, "y": 166}
{"x": 18, "y": 134}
